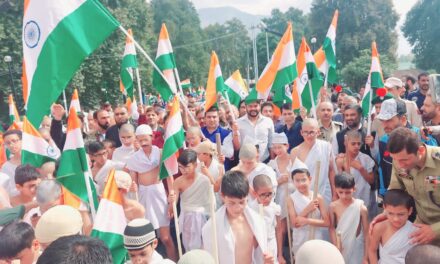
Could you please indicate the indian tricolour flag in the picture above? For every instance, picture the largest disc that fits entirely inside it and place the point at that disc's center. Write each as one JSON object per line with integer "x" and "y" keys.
{"x": 215, "y": 84}
{"x": 174, "y": 139}
{"x": 110, "y": 220}
{"x": 186, "y": 84}
{"x": 74, "y": 103}
{"x": 73, "y": 167}
{"x": 13, "y": 113}
{"x": 236, "y": 88}
{"x": 167, "y": 64}
{"x": 375, "y": 80}
{"x": 280, "y": 70}
{"x": 35, "y": 149}
{"x": 325, "y": 57}
{"x": 128, "y": 64}
{"x": 57, "y": 36}
{"x": 308, "y": 73}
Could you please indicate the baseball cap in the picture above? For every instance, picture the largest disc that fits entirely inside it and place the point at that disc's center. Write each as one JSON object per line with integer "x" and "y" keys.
{"x": 58, "y": 221}
{"x": 390, "y": 108}
{"x": 393, "y": 82}
{"x": 144, "y": 130}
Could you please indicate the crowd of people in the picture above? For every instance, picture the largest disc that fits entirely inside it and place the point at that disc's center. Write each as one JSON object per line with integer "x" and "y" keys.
{"x": 257, "y": 183}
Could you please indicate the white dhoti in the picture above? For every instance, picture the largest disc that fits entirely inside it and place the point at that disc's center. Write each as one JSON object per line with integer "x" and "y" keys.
{"x": 154, "y": 199}
{"x": 194, "y": 205}
{"x": 352, "y": 245}
{"x": 301, "y": 235}
{"x": 321, "y": 151}
{"x": 395, "y": 249}
{"x": 225, "y": 236}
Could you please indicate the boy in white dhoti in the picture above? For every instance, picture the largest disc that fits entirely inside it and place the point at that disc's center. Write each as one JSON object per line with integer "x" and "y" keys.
{"x": 264, "y": 192}
{"x": 349, "y": 219}
{"x": 392, "y": 235}
{"x": 301, "y": 206}
{"x": 127, "y": 137}
{"x": 144, "y": 169}
{"x": 313, "y": 150}
{"x": 194, "y": 190}
{"x": 241, "y": 233}
{"x": 359, "y": 165}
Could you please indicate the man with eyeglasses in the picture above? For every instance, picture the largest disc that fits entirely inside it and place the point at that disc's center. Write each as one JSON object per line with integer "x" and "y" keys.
{"x": 313, "y": 150}
{"x": 100, "y": 164}
{"x": 12, "y": 141}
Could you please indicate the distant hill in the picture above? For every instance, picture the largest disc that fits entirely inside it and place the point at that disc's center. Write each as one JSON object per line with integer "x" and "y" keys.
{"x": 209, "y": 16}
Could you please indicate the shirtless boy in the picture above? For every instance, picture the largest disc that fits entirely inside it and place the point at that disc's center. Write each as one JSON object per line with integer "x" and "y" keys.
{"x": 241, "y": 234}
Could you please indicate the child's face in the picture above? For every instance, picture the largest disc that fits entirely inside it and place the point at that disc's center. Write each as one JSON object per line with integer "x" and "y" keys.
{"x": 249, "y": 164}
{"x": 279, "y": 149}
{"x": 193, "y": 140}
{"x": 264, "y": 195}
{"x": 13, "y": 143}
{"x": 127, "y": 139}
{"x": 353, "y": 145}
{"x": 203, "y": 157}
{"x": 234, "y": 206}
{"x": 397, "y": 215}
{"x": 301, "y": 182}
{"x": 29, "y": 188}
{"x": 188, "y": 170}
{"x": 345, "y": 195}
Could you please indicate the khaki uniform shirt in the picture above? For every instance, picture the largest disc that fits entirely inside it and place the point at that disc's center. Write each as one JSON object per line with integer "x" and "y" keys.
{"x": 328, "y": 134}
{"x": 423, "y": 184}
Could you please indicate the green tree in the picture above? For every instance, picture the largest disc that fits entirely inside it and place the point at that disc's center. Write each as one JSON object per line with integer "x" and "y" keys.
{"x": 186, "y": 36}
{"x": 231, "y": 45}
{"x": 277, "y": 22}
{"x": 422, "y": 29}
{"x": 360, "y": 23}
{"x": 355, "y": 73}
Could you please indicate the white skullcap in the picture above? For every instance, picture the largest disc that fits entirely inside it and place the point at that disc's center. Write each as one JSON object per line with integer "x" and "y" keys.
{"x": 144, "y": 130}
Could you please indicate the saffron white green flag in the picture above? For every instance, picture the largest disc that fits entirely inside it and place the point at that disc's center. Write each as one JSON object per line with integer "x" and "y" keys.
{"x": 128, "y": 63}
{"x": 186, "y": 84}
{"x": 13, "y": 113}
{"x": 236, "y": 88}
{"x": 57, "y": 36}
{"x": 375, "y": 80}
{"x": 215, "y": 83}
{"x": 35, "y": 149}
{"x": 280, "y": 70}
{"x": 110, "y": 220}
{"x": 174, "y": 139}
{"x": 167, "y": 64}
{"x": 325, "y": 57}
{"x": 73, "y": 163}
{"x": 308, "y": 73}
{"x": 74, "y": 103}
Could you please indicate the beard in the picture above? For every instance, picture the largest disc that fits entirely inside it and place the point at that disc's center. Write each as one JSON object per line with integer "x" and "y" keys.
{"x": 253, "y": 113}
{"x": 104, "y": 126}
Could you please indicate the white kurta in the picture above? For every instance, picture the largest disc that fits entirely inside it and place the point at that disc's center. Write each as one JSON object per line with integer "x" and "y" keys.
{"x": 8, "y": 183}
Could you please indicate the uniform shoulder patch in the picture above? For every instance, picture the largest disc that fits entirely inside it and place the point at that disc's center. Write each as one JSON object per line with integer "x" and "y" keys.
{"x": 436, "y": 155}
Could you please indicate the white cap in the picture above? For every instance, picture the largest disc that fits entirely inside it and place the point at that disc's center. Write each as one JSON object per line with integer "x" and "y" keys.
{"x": 390, "y": 108}
{"x": 393, "y": 82}
{"x": 327, "y": 253}
{"x": 144, "y": 130}
{"x": 279, "y": 138}
{"x": 123, "y": 179}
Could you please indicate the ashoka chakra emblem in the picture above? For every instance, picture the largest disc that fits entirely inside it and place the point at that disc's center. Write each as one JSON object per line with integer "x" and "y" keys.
{"x": 304, "y": 78}
{"x": 31, "y": 34}
{"x": 51, "y": 151}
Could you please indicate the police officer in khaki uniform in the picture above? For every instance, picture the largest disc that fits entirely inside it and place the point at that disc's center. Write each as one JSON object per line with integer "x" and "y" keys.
{"x": 327, "y": 126}
{"x": 416, "y": 169}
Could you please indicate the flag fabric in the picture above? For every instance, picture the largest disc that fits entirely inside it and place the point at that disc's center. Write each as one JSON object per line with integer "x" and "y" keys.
{"x": 236, "y": 88}
{"x": 174, "y": 140}
{"x": 110, "y": 221}
{"x": 325, "y": 57}
{"x": 375, "y": 80}
{"x": 186, "y": 84}
{"x": 74, "y": 103}
{"x": 280, "y": 70}
{"x": 215, "y": 84}
{"x": 35, "y": 149}
{"x": 307, "y": 72}
{"x": 167, "y": 64}
{"x": 128, "y": 63}
{"x": 3, "y": 152}
{"x": 73, "y": 162}
{"x": 13, "y": 113}
{"x": 57, "y": 37}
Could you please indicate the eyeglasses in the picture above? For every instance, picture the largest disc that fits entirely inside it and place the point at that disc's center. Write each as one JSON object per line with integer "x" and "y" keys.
{"x": 308, "y": 133}
{"x": 266, "y": 195}
{"x": 12, "y": 142}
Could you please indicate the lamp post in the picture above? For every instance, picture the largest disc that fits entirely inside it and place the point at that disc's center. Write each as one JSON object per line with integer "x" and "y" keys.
{"x": 313, "y": 41}
{"x": 8, "y": 61}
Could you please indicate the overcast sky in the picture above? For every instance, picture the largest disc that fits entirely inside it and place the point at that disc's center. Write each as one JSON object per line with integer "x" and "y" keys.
{"x": 263, "y": 7}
